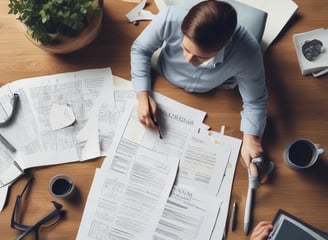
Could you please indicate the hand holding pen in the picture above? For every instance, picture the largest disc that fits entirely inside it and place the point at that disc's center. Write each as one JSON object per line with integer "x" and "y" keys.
{"x": 147, "y": 112}
{"x": 152, "y": 117}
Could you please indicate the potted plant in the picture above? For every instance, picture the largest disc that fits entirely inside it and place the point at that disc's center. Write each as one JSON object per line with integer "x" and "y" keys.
{"x": 59, "y": 26}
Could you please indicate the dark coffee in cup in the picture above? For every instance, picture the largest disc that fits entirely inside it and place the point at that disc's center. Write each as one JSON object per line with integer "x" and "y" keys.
{"x": 302, "y": 153}
{"x": 61, "y": 186}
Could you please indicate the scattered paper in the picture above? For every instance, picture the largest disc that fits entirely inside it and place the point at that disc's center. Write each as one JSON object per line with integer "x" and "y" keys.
{"x": 43, "y": 108}
{"x": 129, "y": 197}
{"x": 138, "y": 13}
{"x": 3, "y": 196}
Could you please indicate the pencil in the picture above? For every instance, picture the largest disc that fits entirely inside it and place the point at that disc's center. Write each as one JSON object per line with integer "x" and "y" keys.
{"x": 7, "y": 144}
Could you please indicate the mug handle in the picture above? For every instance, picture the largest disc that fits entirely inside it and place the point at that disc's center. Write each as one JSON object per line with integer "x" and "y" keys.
{"x": 320, "y": 149}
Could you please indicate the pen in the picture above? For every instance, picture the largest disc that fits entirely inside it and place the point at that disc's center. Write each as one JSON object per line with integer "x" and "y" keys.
{"x": 153, "y": 119}
{"x": 233, "y": 216}
{"x": 7, "y": 144}
{"x": 253, "y": 183}
{"x": 248, "y": 209}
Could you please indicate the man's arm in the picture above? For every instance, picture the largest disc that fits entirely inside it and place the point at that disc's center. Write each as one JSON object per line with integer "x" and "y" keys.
{"x": 253, "y": 91}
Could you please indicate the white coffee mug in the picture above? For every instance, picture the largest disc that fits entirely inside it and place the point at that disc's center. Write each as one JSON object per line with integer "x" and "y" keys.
{"x": 302, "y": 153}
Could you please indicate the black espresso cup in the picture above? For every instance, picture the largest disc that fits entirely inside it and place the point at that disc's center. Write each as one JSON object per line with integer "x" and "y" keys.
{"x": 61, "y": 186}
{"x": 302, "y": 153}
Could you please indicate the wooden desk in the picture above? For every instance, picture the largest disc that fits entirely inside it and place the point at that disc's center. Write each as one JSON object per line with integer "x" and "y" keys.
{"x": 297, "y": 108}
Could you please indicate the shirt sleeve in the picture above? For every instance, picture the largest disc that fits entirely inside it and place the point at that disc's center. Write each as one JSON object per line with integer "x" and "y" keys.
{"x": 151, "y": 39}
{"x": 253, "y": 91}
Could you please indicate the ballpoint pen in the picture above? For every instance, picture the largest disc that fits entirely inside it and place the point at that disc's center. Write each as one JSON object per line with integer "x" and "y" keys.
{"x": 233, "y": 217}
{"x": 153, "y": 119}
{"x": 253, "y": 183}
{"x": 7, "y": 144}
{"x": 248, "y": 209}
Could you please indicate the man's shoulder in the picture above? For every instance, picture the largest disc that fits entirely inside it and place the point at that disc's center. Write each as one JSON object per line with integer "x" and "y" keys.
{"x": 175, "y": 13}
{"x": 244, "y": 40}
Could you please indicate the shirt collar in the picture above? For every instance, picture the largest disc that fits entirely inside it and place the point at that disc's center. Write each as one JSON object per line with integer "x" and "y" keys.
{"x": 208, "y": 62}
{"x": 218, "y": 58}
{"x": 211, "y": 63}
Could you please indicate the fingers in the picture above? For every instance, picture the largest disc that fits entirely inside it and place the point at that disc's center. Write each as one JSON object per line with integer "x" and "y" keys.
{"x": 147, "y": 122}
{"x": 261, "y": 231}
{"x": 253, "y": 169}
{"x": 251, "y": 148}
{"x": 147, "y": 111}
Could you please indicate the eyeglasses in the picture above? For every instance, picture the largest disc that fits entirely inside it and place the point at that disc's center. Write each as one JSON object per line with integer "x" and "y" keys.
{"x": 12, "y": 114}
{"x": 46, "y": 221}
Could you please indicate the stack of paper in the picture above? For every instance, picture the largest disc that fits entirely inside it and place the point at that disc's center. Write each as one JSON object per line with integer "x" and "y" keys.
{"x": 177, "y": 187}
{"x": 170, "y": 188}
{"x": 56, "y": 122}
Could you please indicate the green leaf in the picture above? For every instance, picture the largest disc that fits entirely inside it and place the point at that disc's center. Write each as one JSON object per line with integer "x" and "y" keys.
{"x": 36, "y": 14}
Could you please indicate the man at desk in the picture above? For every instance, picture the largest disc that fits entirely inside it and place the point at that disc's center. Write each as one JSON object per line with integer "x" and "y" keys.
{"x": 204, "y": 48}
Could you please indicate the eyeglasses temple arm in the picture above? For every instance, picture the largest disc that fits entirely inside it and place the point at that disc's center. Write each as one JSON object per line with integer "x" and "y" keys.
{"x": 35, "y": 227}
{"x": 13, "y": 112}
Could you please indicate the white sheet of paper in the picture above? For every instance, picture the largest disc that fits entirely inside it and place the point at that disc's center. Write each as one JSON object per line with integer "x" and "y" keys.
{"x": 128, "y": 199}
{"x": 90, "y": 137}
{"x": 203, "y": 164}
{"x": 61, "y": 116}
{"x": 109, "y": 116}
{"x": 81, "y": 90}
{"x": 138, "y": 13}
{"x": 187, "y": 215}
{"x": 122, "y": 84}
{"x": 9, "y": 170}
{"x": 177, "y": 121}
{"x": 3, "y": 196}
{"x": 226, "y": 186}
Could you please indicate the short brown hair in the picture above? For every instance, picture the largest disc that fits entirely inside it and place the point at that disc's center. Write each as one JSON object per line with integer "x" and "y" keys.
{"x": 210, "y": 24}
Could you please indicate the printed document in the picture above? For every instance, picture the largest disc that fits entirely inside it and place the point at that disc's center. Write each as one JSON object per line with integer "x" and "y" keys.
{"x": 126, "y": 200}
{"x": 31, "y": 132}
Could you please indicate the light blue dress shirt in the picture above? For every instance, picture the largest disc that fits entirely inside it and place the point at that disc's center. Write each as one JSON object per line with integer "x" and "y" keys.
{"x": 240, "y": 62}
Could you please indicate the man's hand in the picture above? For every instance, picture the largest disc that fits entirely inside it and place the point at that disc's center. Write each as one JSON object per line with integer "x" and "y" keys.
{"x": 261, "y": 231}
{"x": 251, "y": 148}
{"x": 147, "y": 110}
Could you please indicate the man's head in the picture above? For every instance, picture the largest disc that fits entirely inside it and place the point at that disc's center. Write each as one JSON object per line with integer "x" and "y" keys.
{"x": 208, "y": 26}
